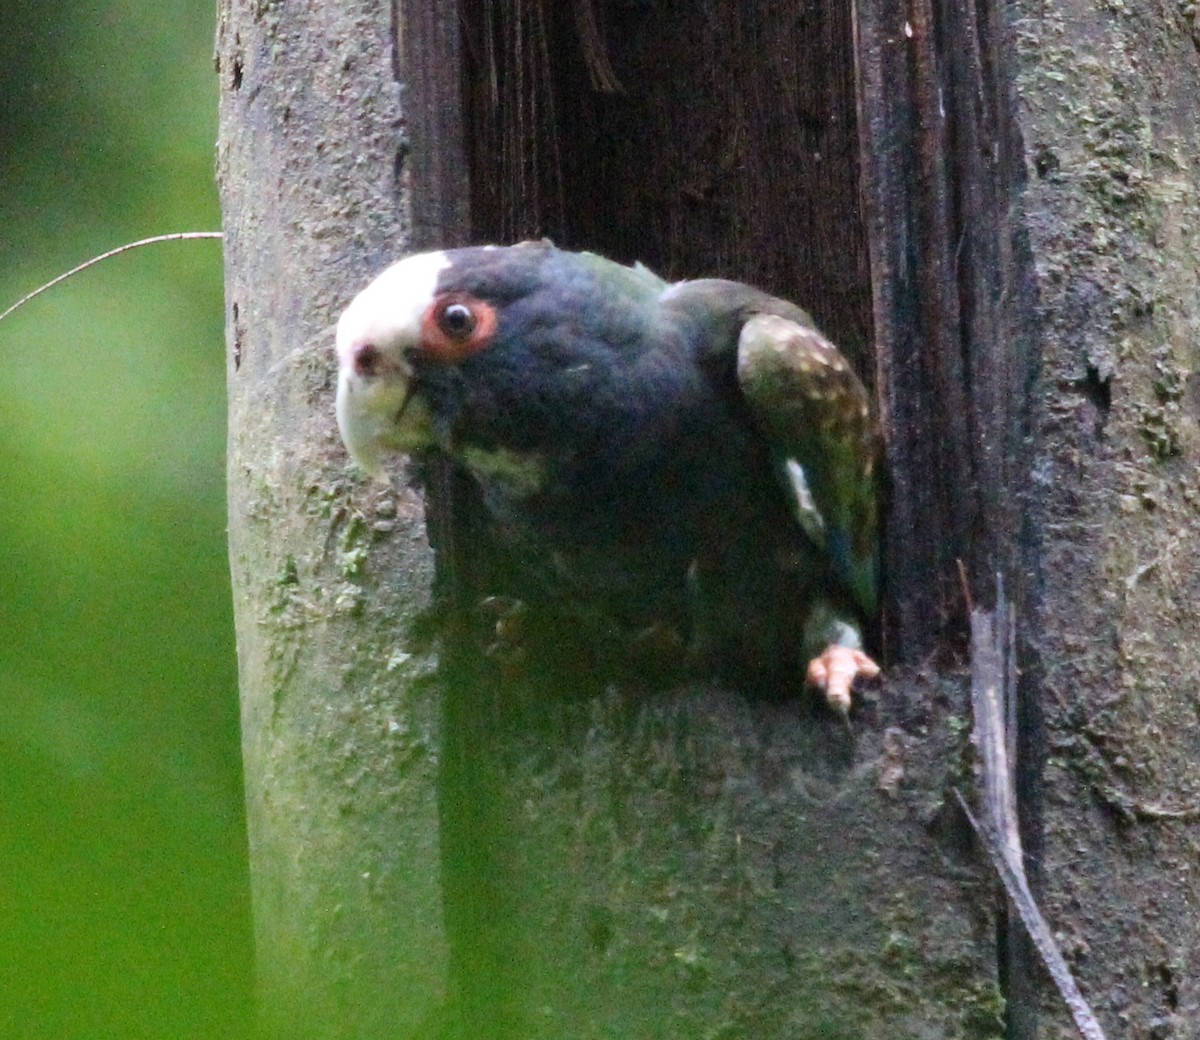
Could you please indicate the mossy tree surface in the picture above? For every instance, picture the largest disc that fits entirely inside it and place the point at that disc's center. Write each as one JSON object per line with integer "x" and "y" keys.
{"x": 340, "y": 750}
{"x": 442, "y": 849}
{"x": 1109, "y": 98}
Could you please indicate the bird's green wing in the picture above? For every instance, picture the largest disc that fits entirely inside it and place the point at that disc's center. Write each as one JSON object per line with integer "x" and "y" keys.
{"x": 815, "y": 414}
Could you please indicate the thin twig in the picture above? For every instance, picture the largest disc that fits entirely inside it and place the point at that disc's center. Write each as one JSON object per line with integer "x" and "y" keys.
{"x": 993, "y": 697}
{"x": 177, "y": 236}
{"x": 1012, "y": 876}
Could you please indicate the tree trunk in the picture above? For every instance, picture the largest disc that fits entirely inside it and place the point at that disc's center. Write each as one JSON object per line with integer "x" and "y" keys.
{"x": 341, "y": 742}
{"x": 1109, "y": 99}
{"x": 440, "y": 850}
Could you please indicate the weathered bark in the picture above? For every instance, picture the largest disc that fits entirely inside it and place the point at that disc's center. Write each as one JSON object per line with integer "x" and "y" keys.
{"x": 954, "y": 354}
{"x": 341, "y": 748}
{"x": 1110, "y": 111}
{"x": 1078, "y": 477}
{"x": 442, "y": 849}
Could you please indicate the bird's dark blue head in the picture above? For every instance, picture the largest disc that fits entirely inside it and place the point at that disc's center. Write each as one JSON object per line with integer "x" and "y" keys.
{"x": 493, "y": 338}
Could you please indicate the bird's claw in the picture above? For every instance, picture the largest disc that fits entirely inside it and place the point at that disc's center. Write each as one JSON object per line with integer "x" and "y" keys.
{"x": 834, "y": 672}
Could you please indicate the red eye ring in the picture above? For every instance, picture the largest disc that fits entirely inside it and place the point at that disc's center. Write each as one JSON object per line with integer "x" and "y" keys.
{"x": 456, "y": 326}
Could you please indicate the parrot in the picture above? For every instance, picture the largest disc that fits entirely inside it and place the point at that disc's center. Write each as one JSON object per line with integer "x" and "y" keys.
{"x": 691, "y": 458}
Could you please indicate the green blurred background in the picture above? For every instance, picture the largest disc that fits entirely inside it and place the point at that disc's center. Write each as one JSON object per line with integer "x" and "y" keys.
{"x": 123, "y": 891}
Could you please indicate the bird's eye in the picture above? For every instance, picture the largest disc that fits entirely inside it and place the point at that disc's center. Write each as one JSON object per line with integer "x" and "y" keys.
{"x": 456, "y": 326}
{"x": 457, "y": 321}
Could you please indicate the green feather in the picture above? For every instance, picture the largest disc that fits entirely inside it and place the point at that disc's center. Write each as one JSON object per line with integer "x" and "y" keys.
{"x": 815, "y": 413}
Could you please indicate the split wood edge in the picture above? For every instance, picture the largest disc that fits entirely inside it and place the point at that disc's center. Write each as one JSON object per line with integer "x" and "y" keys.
{"x": 993, "y": 700}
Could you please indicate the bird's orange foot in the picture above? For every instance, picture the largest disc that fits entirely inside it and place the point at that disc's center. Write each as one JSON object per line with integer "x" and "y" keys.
{"x": 834, "y": 672}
